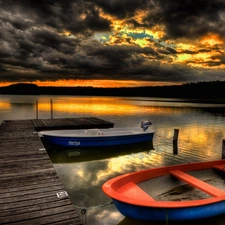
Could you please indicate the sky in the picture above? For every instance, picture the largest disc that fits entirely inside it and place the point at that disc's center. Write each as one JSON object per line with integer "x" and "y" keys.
{"x": 111, "y": 42}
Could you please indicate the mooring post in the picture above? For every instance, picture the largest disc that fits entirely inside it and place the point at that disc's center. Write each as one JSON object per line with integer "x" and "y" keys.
{"x": 175, "y": 140}
{"x": 37, "y": 109}
{"x": 223, "y": 149}
{"x": 51, "y": 106}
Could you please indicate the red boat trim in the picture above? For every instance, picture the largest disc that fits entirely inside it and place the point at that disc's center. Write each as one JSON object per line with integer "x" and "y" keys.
{"x": 131, "y": 189}
{"x": 117, "y": 187}
{"x": 201, "y": 185}
{"x": 220, "y": 167}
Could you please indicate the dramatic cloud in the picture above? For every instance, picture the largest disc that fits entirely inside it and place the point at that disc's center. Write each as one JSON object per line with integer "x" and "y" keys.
{"x": 152, "y": 40}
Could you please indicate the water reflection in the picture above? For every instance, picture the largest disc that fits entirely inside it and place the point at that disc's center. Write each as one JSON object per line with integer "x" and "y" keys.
{"x": 87, "y": 154}
{"x": 4, "y": 105}
{"x": 201, "y": 131}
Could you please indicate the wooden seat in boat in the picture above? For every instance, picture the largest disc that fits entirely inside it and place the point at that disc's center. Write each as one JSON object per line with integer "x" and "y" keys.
{"x": 201, "y": 185}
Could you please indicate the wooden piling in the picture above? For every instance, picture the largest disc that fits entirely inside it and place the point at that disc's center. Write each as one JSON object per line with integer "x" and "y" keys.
{"x": 51, "y": 108}
{"x": 175, "y": 141}
{"x": 223, "y": 149}
{"x": 37, "y": 109}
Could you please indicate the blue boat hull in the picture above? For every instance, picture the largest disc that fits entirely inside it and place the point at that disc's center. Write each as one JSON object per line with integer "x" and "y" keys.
{"x": 170, "y": 214}
{"x": 69, "y": 142}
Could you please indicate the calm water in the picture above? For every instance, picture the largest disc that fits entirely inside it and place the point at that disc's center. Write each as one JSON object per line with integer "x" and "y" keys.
{"x": 201, "y": 131}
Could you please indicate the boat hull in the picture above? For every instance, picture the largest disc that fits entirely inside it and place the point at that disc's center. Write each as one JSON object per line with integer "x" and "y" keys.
{"x": 170, "y": 214}
{"x": 99, "y": 141}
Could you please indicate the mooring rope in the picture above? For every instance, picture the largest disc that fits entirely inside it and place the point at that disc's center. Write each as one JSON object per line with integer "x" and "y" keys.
{"x": 84, "y": 210}
{"x": 94, "y": 207}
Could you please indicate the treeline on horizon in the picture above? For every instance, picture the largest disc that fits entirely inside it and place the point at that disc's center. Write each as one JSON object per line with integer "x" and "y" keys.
{"x": 203, "y": 90}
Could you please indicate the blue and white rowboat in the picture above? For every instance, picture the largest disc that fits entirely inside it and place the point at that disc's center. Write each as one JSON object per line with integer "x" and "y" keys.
{"x": 98, "y": 137}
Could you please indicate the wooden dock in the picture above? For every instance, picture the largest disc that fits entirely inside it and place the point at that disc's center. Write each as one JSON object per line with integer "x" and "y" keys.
{"x": 71, "y": 123}
{"x": 30, "y": 190}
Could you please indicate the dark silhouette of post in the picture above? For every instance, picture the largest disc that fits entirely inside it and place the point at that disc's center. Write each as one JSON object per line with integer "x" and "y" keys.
{"x": 175, "y": 140}
{"x": 37, "y": 109}
{"x": 223, "y": 149}
{"x": 51, "y": 106}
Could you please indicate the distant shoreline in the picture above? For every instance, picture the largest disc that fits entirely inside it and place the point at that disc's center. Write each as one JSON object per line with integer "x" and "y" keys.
{"x": 202, "y": 92}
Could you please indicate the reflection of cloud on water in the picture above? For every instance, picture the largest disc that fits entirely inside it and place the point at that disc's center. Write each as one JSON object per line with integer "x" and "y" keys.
{"x": 107, "y": 215}
{"x": 80, "y": 182}
{"x": 78, "y": 175}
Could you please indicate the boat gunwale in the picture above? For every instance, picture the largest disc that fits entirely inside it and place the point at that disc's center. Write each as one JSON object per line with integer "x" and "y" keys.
{"x": 59, "y": 134}
{"x": 112, "y": 186}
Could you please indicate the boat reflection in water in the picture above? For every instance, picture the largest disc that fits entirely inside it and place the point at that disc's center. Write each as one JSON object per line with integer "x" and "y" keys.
{"x": 67, "y": 155}
{"x": 218, "y": 220}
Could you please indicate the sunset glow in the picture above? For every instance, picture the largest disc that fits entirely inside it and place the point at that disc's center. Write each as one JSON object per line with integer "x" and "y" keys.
{"x": 211, "y": 40}
{"x": 94, "y": 83}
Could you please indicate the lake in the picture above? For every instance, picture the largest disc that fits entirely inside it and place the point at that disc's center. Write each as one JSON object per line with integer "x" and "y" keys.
{"x": 201, "y": 131}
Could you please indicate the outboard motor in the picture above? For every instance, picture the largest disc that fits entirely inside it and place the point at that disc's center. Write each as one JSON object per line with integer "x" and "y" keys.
{"x": 145, "y": 124}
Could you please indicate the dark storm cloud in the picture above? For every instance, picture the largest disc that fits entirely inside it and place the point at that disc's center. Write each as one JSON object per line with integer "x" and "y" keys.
{"x": 61, "y": 15}
{"x": 54, "y": 39}
{"x": 30, "y": 36}
{"x": 122, "y": 56}
{"x": 188, "y": 18}
{"x": 122, "y": 8}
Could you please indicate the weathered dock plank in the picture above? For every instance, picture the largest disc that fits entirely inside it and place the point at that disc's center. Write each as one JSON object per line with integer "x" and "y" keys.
{"x": 28, "y": 181}
{"x": 71, "y": 123}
